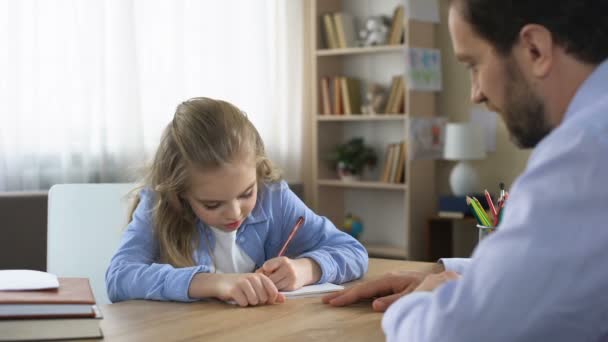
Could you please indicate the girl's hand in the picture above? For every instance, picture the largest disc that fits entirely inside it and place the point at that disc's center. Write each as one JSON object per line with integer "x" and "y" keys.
{"x": 291, "y": 274}
{"x": 248, "y": 289}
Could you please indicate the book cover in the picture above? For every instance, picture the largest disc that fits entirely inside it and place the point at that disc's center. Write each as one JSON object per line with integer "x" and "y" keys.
{"x": 329, "y": 28}
{"x": 392, "y": 93}
{"x": 346, "y": 101}
{"x": 338, "y": 104}
{"x": 354, "y": 95}
{"x": 325, "y": 97}
{"x": 73, "y": 297}
{"x": 51, "y": 329}
{"x": 396, "y": 32}
{"x": 400, "y": 176}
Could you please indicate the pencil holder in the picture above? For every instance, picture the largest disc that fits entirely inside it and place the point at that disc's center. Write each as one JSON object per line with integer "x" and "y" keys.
{"x": 484, "y": 231}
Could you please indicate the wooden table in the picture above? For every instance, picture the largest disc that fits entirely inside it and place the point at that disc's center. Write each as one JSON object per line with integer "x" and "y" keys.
{"x": 305, "y": 319}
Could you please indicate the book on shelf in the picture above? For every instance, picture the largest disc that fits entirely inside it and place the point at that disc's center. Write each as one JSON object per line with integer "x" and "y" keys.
{"x": 325, "y": 96}
{"x": 393, "y": 169}
{"x": 396, "y": 32}
{"x": 51, "y": 328}
{"x": 396, "y": 98}
{"x": 400, "y": 175}
{"x": 331, "y": 38}
{"x": 397, "y": 105}
{"x": 340, "y": 95}
{"x": 337, "y": 92}
{"x": 345, "y": 29}
{"x": 385, "y": 167}
{"x": 351, "y": 95}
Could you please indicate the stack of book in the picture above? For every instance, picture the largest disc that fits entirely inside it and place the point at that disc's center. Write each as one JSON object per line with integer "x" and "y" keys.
{"x": 340, "y": 95}
{"x": 393, "y": 170}
{"x": 339, "y": 30}
{"x": 31, "y": 309}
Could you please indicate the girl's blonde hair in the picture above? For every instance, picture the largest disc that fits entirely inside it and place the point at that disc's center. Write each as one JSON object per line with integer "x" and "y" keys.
{"x": 204, "y": 134}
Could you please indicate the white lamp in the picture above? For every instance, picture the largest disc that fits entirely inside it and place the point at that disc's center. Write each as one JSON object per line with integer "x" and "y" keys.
{"x": 464, "y": 142}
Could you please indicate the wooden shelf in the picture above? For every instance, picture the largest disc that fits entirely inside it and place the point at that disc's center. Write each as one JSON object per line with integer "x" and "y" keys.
{"x": 362, "y": 184}
{"x": 385, "y": 251}
{"x": 361, "y": 50}
{"x": 361, "y": 117}
{"x": 399, "y": 211}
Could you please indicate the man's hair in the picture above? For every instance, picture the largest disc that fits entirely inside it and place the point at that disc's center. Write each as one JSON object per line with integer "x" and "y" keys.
{"x": 579, "y": 26}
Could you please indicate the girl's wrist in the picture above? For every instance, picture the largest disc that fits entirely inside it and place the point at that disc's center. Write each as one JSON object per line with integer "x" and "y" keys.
{"x": 204, "y": 285}
{"x": 310, "y": 270}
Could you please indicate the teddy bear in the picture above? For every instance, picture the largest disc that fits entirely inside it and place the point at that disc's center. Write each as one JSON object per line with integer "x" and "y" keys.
{"x": 375, "y": 31}
{"x": 374, "y": 99}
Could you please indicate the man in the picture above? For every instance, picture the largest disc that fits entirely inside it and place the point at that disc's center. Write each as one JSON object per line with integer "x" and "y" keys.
{"x": 542, "y": 275}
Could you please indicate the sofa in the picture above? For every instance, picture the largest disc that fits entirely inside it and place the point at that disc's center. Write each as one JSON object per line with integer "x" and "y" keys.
{"x": 23, "y": 217}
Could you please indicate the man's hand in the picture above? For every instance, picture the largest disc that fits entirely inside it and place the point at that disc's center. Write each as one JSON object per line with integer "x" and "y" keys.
{"x": 434, "y": 280}
{"x": 385, "y": 289}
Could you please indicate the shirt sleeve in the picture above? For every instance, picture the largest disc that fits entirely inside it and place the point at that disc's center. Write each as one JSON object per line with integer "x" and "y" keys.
{"x": 458, "y": 265}
{"x": 340, "y": 256}
{"x": 537, "y": 277}
{"x": 134, "y": 272}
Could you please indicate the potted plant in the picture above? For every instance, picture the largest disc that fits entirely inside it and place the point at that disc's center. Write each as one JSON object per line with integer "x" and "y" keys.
{"x": 351, "y": 158}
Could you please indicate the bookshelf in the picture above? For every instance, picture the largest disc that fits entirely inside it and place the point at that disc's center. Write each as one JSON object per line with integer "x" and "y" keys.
{"x": 394, "y": 214}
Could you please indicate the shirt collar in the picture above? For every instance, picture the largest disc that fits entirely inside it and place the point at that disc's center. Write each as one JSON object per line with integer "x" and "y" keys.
{"x": 592, "y": 89}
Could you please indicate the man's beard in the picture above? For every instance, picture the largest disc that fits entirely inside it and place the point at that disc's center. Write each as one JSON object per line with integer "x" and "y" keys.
{"x": 524, "y": 111}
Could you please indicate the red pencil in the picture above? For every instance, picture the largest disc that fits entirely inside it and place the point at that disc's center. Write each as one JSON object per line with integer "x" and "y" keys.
{"x": 295, "y": 228}
{"x": 492, "y": 208}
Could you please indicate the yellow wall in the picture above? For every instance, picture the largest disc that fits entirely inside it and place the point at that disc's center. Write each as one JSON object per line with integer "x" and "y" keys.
{"x": 504, "y": 164}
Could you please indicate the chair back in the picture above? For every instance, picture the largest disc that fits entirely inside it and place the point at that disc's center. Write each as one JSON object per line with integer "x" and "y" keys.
{"x": 85, "y": 223}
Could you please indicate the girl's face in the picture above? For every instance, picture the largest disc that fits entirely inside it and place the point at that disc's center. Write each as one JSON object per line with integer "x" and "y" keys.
{"x": 224, "y": 197}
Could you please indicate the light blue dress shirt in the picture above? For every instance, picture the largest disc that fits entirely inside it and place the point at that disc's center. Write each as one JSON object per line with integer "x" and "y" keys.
{"x": 543, "y": 276}
{"x": 135, "y": 272}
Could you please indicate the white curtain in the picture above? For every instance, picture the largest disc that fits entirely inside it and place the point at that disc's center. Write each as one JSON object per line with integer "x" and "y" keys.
{"x": 86, "y": 87}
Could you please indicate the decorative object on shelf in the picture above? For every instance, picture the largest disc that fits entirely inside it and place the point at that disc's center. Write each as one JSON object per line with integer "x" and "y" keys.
{"x": 427, "y": 136}
{"x": 464, "y": 142}
{"x": 353, "y": 225}
{"x": 375, "y": 31}
{"x": 374, "y": 99}
{"x": 351, "y": 158}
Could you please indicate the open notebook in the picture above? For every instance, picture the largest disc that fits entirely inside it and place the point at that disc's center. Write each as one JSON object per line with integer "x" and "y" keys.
{"x": 308, "y": 291}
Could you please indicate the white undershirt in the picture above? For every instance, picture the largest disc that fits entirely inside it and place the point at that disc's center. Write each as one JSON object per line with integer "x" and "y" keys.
{"x": 228, "y": 256}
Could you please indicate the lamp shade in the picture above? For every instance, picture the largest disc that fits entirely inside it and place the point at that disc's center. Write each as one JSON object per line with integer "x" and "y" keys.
{"x": 463, "y": 141}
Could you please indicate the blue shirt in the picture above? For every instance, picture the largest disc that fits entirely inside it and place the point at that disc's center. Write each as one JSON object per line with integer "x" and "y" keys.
{"x": 543, "y": 275}
{"x": 135, "y": 271}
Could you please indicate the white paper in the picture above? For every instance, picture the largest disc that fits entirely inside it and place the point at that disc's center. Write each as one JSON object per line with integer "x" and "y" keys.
{"x": 423, "y": 69}
{"x": 18, "y": 280}
{"x": 423, "y": 10}
{"x": 313, "y": 290}
{"x": 487, "y": 121}
{"x": 307, "y": 291}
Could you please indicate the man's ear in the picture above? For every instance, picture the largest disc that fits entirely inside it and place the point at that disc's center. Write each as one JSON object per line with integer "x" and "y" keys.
{"x": 537, "y": 49}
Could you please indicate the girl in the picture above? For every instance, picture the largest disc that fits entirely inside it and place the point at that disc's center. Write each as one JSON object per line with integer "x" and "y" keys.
{"x": 213, "y": 211}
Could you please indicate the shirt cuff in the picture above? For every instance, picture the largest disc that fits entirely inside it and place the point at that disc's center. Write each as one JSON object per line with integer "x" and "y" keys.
{"x": 178, "y": 283}
{"x": 458, "y": 265}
